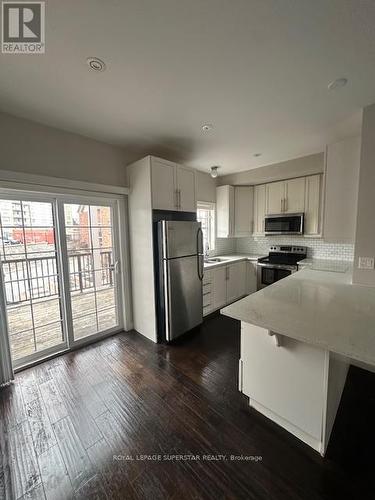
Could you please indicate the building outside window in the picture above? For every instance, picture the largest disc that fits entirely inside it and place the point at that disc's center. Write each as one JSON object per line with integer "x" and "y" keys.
{"x": 206, "y": 216}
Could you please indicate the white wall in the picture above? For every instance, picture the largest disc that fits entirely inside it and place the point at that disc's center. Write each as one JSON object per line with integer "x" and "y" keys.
{"x": 365, "y": 233}
{"x": 29, "y": 147}
{"x": 205, "y": 187}
{"x": 298, "y": 167}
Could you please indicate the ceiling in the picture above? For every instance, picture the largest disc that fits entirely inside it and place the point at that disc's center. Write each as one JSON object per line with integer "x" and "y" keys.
{"x": 257, "y": 70}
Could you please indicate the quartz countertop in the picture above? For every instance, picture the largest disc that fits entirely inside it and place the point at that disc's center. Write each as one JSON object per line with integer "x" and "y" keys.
{"x": 227, "y": 259}
{"x": 320, "y": 308}
{"x": 337, "y": 266}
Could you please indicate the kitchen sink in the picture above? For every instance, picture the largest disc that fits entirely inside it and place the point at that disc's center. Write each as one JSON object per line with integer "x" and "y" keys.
{"x": 214, "y": 260}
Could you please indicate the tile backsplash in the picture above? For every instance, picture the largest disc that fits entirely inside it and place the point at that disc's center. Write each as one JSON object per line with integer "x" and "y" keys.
{"x": 224, "y": 246}
{"x": 316, "y": 247}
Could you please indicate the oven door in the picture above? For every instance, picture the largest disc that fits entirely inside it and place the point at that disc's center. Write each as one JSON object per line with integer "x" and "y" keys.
{"x": 268, "y": 274}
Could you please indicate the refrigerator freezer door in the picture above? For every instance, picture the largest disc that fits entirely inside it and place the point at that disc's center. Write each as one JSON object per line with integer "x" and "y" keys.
{"x": 183, "y": 296}
{"x": 181, "y": 238}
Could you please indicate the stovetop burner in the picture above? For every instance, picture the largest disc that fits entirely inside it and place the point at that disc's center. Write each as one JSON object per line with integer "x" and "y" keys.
{"x": 287, "y": 255}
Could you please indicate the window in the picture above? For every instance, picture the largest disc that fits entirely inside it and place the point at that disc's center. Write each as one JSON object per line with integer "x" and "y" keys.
{"x": 206, "y": 216}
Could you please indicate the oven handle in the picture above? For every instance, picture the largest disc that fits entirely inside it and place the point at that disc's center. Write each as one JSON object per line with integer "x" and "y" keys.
{"x": 277, "y": 266}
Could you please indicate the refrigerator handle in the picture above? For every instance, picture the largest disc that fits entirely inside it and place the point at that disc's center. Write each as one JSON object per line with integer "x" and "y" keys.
{"x": 200, "y": 256}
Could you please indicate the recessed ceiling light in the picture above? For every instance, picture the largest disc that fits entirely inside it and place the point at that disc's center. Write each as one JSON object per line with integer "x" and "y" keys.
{"x": 337, "y": 84}
{"x": 207, "y": 127}
{"x": 214, "y": 172}
{"x": 256, "y": 155}
{"x": 96, "y": 64}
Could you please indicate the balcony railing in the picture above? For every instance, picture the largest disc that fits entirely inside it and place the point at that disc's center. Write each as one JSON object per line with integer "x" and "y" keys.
{"x": 37, "y": 277}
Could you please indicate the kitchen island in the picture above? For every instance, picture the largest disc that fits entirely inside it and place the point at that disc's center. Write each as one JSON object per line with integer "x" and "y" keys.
{"x": 298, "y": 338}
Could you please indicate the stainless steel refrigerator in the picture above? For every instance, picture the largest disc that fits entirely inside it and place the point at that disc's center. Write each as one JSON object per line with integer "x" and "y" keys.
{"x": 181, "y": 275}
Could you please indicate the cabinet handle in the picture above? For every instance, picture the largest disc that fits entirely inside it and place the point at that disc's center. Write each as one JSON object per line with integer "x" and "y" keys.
{"x": 179, "y": 198}
{"x": 285, "y": 204}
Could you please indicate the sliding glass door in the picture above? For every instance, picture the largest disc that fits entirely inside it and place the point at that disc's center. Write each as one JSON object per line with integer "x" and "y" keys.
{"x": 61, "y": 272}
{"x": 92, "y": 255}
{"x": 32, "y": 278}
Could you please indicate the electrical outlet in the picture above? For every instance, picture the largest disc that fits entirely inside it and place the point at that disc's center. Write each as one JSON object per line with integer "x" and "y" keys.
{"x": 366, "y": 263}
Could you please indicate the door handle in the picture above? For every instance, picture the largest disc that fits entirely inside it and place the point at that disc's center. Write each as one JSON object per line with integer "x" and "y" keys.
{"x": 115, "y": 267}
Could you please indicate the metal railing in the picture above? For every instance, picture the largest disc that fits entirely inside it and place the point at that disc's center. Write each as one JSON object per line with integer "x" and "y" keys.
{"x": 37, "y": 277}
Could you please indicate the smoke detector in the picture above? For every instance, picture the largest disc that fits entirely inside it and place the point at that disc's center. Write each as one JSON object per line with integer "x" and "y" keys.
{"x": 96, "y": 64}
{"x": 207, "y": 127}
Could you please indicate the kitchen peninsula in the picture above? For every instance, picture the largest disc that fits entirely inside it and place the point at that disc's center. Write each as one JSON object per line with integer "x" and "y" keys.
{"x": 298, "y": 338}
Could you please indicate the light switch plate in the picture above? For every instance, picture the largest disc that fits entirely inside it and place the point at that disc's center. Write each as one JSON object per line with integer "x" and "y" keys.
{"x": 366, "y": 263}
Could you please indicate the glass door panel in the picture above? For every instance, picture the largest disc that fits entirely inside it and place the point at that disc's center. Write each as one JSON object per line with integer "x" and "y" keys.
{"x": 31, "y": 274}
{"x": 91, "y": 255}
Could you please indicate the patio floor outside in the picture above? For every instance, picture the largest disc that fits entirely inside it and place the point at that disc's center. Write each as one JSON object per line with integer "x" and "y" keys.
{"x": 47, "y": 320}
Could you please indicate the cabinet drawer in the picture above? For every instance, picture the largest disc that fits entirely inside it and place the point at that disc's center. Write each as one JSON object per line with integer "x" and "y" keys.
{"x": 207, "y": 278}
{"x": 207, "y": 309}
{"x": 207, "y": 298}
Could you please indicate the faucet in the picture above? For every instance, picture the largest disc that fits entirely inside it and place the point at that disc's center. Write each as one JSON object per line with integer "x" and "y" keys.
{"x": 207, "y": 250}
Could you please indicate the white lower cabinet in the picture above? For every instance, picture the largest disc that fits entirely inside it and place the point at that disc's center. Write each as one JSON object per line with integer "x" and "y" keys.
{"x": 236, "y": 281}
{"x": 219, "y": 287}
{"x": 251, "y": 277}
{"x": 295, "y": 384}
{"x": 223, "y": 285}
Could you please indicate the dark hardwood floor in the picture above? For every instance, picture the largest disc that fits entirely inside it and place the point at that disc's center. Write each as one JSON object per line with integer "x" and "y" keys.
{"x": 76, "y": 427}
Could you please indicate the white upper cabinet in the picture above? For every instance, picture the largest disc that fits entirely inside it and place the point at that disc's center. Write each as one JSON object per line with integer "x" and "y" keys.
{"x": 259, "y": 208}
{"x": 341, "y": 190}
{"x": 285, "y": 196}
{"x": 275, "y": 194}
{"x": 173, "y": 186}
{"x": 234, "y": 211}
{"x": 300, "y": 195}
{"x": 164, "y": 196}
{"x": 225, "y": 211}
{"x": 294, "y": 199}
{"x": 312, "y": 205}
{"x": 243, "y": 211}
{"x": 185, "y": 185}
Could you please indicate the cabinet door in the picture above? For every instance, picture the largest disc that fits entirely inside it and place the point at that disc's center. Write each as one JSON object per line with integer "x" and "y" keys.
{"x": 164, "y": 196}
{"x": 275, "y": 194}
{"x": 225, "y": 211}
{"x": 312, "y": 205}
{"x": 219, "y": 287}
{"x": 236, "y": 281}
{"x": 251, "y": 277}
{"x": 185, "y": 183}
{"x": 243, "y": 211}
{"x": 259, "y": 208}
{"x": 294, "y": 195}
{"x": 288, "y": 380}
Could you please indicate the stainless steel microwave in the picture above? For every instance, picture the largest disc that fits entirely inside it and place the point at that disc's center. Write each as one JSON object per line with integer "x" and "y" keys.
{"x": 284, "y": 224}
